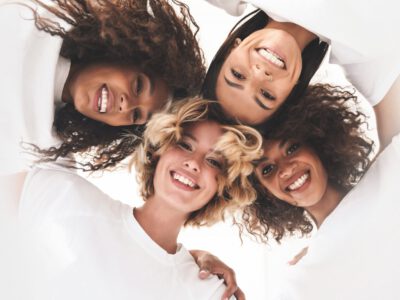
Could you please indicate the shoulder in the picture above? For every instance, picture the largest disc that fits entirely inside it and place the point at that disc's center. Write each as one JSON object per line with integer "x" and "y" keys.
{"x": 50, "y": 194}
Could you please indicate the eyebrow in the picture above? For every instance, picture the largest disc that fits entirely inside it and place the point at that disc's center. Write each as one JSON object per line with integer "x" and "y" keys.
{"x": 151, "y": 80}
{"x": 233, "y": 84}
{"x": 283, "y": 143}
{"x": 260, "y": 104}
{"x": 185, "y": 134}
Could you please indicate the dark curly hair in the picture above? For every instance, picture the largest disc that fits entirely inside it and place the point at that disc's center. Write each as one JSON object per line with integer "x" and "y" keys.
{"x": 149, "y": 34}
{"x": 324, "y": 119}
{"x": 312, "y": 56}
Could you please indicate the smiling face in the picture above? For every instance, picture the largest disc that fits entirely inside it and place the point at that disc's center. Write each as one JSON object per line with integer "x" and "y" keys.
{"x": 115, "y": 94}
{"x": 186, "y": 174}
{"x": 292, "y": 172}
{"x": 258, "y": 75}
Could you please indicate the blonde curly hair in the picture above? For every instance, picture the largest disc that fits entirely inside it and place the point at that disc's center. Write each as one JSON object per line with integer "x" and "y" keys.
{"x": 239, "y": 145}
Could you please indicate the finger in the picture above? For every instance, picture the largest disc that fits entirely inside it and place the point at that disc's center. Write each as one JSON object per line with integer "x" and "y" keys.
{"x": 239, "y": 295}
{"x": 204, "y": 274}
{"x": 230, "y": 282}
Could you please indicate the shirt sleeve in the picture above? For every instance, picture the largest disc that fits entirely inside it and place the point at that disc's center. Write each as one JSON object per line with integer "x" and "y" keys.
{"x": 232, "y": 7}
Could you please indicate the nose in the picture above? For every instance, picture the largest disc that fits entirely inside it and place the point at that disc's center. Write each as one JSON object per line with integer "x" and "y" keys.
{"x": 261, "y": 72}
{"x": 125, "y": 103}
{"x": 286, "y": 169}
{"x": 192, "y": 164}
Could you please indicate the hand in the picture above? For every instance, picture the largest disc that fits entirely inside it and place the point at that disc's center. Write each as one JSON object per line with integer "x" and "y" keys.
{"x": 299, "y": 256}
{"x": 210, "y": 264}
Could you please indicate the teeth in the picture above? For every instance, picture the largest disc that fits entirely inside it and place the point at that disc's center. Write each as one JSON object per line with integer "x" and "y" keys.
{"x": 299, "y": 182}
{"x": 184, "y": 180}
{"x": 103, "y": 99}
{"x": 272, "y": 57}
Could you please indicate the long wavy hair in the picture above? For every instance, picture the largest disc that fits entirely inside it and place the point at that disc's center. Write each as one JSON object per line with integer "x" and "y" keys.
{"x": 312, "y": 56}
{"x": 239, "y": 145}
{"x": 325, "y": 120}
{"x": 157, "y": 36}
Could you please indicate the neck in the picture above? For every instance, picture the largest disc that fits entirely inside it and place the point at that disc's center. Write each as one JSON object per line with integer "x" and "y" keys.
{"x": 326, "y": 205}
{"x": 161, "y": 223}
{"x": 302, "y": 36}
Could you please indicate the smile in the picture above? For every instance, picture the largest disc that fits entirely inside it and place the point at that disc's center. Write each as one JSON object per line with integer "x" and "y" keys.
{"x": 184, "y": 180}
{"x": 103, "y": 100}
{"x": 272, "y": 57}
{"x": 299, "y": 182}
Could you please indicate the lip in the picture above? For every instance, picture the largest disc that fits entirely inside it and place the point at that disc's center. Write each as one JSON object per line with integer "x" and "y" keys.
{"x": 179, "y": 184}
{"x": 276, "y": 53}
{"x": 294, "y": 178}
{"x": 110, "y": 103}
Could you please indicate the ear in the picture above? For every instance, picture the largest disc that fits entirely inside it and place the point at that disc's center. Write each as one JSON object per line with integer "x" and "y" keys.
{"x": 237, "y": 42}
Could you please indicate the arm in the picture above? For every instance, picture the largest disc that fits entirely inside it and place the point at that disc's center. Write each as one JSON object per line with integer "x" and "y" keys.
{"x": 210, "y": 264}
{"x": 388, "y": 115}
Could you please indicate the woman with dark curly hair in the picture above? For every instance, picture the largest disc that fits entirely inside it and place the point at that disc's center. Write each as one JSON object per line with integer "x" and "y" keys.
{"x": 192, "y": 170}
{"x": 103, "y": 66}
{"x": 317, "y": 170}
{"x": 314, "y": 154}
{"x": 269, "y": 59}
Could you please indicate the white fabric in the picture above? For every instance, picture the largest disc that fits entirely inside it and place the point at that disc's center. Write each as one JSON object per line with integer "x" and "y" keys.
{"x": 364, "y": 35}
{"x": 32, "y": 76}
{"x": 355, "y": 253}
{"x": 101, "y": 250}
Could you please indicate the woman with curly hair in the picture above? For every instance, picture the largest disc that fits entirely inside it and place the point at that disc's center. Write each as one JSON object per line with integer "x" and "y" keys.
{"x": 317, "y": 170}
{"x": 102, "y": 66}
{"x": 191, "y": 170}
{"x": 269, "y": 59}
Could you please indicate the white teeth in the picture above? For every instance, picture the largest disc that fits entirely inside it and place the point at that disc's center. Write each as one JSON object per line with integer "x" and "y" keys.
{"x": 299, "y": 182}
{"x": 103, "y": 99}
{"x": 272, "y": 57}
{"x": 184, "y": 180}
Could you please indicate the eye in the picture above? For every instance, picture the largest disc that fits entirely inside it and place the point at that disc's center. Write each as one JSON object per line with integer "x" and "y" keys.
{"x": 237, "y": 75}
{"x": 267, "y": 95}
{"x": 185, "y": 145}
{"x": 267, "y": 170}
{"x": 293, "y": 148}
{"x": 215, "y": 163}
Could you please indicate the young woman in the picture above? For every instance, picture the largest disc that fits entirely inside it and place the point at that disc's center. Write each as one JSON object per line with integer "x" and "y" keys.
{"x": 310, "y": 176}
{"x": 270, "y": 59}
{"x": 191, "y": 170}
{"x": 93, "y": 69}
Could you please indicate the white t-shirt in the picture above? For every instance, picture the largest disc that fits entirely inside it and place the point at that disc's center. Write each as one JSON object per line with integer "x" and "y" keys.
{"x": 32, "y": 75}
{"x": 101, "y": 250}
{"x": 364, "y": 35}
{"x": 355, "y": 253}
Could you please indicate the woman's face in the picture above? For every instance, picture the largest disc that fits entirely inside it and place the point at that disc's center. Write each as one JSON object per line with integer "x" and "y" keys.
{"x": 292, "y": 172}
{"x": 186, "y": 174}
{"x": 258, "y": 75}
{"x": 116, "y": 94}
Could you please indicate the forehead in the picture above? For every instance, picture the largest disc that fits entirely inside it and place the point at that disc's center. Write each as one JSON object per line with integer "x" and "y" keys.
{"x": 204, "y": 132}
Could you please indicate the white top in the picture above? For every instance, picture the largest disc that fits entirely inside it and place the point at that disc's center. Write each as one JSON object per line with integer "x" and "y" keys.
{"x": 103, "y": 253}
{"x": 32, "y": 76}
{"x": 355, "y": 253}
{"x": 364, "y": 35}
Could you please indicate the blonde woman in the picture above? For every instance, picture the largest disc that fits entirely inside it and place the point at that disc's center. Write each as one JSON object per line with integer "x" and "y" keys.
{"x": 191, "y": 170}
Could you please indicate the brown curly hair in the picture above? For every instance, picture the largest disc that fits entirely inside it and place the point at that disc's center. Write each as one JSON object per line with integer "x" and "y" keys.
{"x": 325, "y": 120}
{"x": 239, "y": 145}
{"x": 151, "y": 35}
